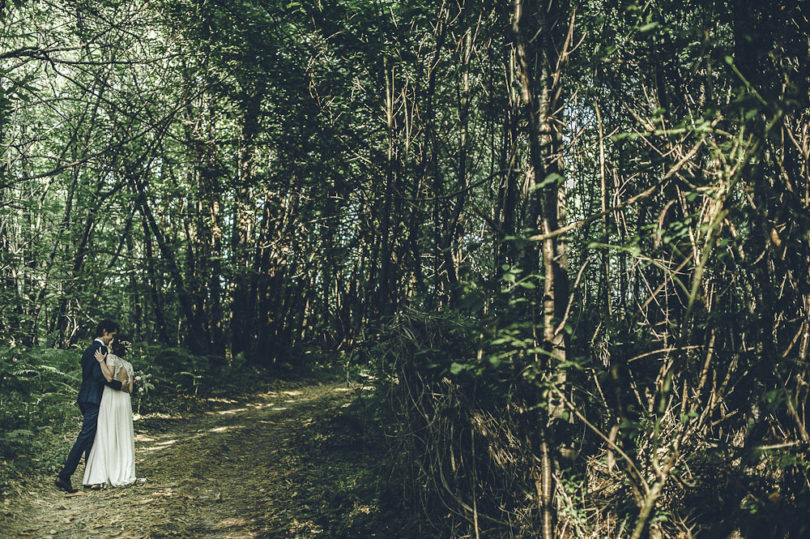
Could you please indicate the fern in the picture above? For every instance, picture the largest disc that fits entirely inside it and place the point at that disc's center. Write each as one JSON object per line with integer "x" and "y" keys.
{"x": 58, "y": 372}
{"x": 21, "y": 372}
{"x": 17, "y": 434}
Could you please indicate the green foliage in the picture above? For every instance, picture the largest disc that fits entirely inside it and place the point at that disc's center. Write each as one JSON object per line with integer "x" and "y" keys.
{"x": 37, "y": 414}
{"x": 256, "y": 184}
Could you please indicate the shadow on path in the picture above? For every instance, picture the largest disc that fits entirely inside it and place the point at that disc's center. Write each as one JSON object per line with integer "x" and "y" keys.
{"x": 281, "y": 465}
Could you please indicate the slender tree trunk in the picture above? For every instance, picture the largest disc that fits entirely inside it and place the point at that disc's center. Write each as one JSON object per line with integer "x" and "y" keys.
{"x": 154, "y": 284}
{"x": 535, "y": 26}
{"x": 197, "y": 338}
{"x": 385, "y": 299}
{"x": 452, "y": 237}
{"x": 67, "y": 326}
{"x": 604, "y": 204}
{"x": 429, "y": 157}
{"x": 508, "y": 189}
{"x": 243, "y": 318}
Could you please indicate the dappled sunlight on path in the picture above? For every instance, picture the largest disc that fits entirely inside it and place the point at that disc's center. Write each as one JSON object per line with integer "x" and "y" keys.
{"x": 265, "y": 468}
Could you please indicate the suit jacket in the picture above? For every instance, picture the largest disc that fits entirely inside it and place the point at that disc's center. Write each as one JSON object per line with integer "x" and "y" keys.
{"x": 93, "y": 380}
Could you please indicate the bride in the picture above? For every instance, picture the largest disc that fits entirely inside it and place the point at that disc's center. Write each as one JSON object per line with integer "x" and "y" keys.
{"x": 112, "y": 458}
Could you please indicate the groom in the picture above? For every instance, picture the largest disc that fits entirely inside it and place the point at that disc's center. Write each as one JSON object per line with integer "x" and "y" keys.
{"x": 93, "y": 382}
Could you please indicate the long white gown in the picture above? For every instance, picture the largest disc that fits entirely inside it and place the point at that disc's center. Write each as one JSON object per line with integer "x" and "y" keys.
{"x": 112, "y": 458}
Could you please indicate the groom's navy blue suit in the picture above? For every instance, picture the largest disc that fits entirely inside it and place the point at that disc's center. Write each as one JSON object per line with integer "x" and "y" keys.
{"x": 92, "y": 388}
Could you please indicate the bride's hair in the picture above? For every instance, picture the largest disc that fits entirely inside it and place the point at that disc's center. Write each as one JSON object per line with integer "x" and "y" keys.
{"x": 120, "y": 346}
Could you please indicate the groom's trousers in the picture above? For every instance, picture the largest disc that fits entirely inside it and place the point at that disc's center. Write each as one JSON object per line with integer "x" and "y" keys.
{"x": 84, "y": 441}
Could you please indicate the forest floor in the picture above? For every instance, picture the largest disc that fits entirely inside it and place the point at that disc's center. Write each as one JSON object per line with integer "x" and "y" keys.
{"x": 286, "y": 462}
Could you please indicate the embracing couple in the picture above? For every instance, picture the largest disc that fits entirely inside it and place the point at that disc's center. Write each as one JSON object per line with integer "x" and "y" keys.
{"x": 107, "y": 437}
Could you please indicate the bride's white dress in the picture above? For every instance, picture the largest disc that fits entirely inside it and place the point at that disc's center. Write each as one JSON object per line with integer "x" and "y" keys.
{"x": 112, "y": 458}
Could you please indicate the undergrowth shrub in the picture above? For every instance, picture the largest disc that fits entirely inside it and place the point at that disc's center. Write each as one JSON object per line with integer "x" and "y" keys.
{"x": 461, "y": 408}
{"x": 38, "y": 388}
{"x": 458, "y": 427}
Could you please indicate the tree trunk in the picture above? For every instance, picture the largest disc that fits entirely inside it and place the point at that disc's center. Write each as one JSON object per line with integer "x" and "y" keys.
{"x": 154, "y": 284}
{"x": 535, "y": 26}
{"x": 243, "y": 318}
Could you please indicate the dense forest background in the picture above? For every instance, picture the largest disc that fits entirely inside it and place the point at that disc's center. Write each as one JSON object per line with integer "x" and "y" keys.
{"x": 569, "y": 241}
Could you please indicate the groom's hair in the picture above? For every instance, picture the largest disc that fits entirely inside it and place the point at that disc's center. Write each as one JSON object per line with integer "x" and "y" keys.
{"x": 105, "y": 325}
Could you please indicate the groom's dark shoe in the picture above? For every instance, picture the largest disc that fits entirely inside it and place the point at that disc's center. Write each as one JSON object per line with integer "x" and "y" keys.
{"x": 64, "y": 484}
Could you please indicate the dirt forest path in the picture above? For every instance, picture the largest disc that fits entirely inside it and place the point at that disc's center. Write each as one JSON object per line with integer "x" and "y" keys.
{"x": 286, "y": 463}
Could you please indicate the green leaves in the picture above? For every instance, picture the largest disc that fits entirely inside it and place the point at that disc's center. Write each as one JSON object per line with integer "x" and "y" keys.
{"x": 649, "y": 27}
{"x": 15, "y": 435}
{"x": 458, "y": 368}
{"x": 511, "y": 277}
{"x": 633, "y": 248}
{"x": 553, "y": 179}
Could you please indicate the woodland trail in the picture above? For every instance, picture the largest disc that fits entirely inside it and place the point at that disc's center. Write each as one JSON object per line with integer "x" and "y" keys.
{"x": 286, "y": 463}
